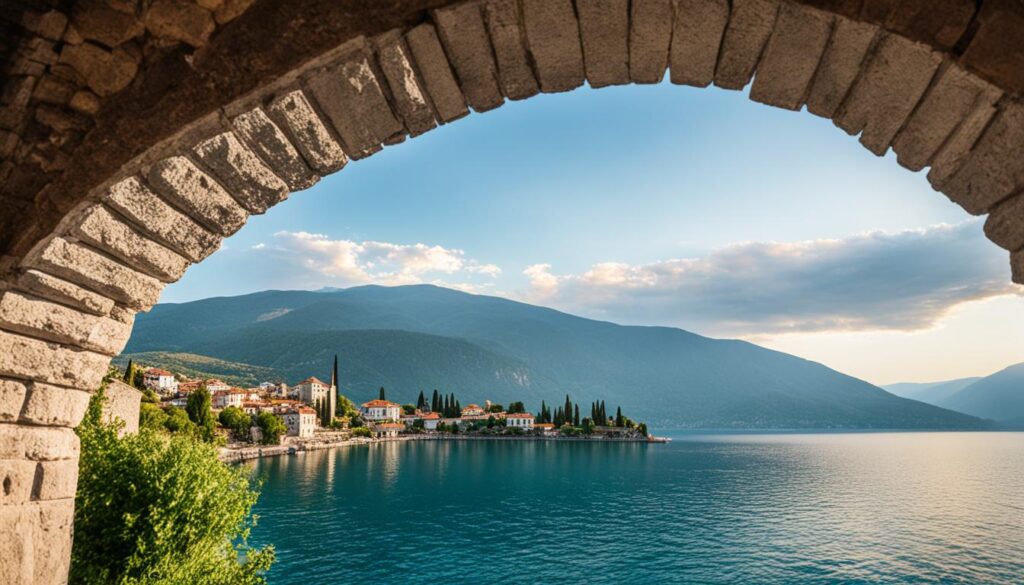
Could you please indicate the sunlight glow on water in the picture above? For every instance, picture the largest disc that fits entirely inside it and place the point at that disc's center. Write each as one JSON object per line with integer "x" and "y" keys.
{"x": 807, "y": 508}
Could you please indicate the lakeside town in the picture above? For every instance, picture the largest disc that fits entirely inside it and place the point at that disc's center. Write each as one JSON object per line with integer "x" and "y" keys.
{"x": 277, "y": 417}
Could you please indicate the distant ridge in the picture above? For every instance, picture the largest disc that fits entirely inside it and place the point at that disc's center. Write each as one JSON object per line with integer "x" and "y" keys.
{"x": 999, "y": 397}
{"x": 414, "y": 338}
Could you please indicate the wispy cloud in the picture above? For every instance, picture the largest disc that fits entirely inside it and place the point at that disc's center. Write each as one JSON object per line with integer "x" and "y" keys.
{"x": 876, "y": 281}
{"x": 346, "y": 262}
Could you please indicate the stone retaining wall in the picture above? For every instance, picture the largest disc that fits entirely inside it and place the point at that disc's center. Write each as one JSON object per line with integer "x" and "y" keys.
{"x": 67, "y": 305}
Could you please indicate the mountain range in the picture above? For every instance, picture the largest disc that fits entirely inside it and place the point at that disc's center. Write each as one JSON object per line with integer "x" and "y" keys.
{"x": 999, "y": 397}
{"x": 418, "y": 338}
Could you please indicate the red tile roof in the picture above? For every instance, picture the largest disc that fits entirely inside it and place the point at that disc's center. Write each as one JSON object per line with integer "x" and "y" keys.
{"x": 519, "y": 415}
{"x": 157, "y": 372}
{"x": 380, "y": 404}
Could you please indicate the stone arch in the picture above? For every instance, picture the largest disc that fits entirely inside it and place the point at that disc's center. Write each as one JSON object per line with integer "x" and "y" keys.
{"x": 68, "y": 302}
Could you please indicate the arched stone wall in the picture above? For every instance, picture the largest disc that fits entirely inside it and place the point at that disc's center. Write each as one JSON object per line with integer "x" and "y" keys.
{"x": 67, "y": 305}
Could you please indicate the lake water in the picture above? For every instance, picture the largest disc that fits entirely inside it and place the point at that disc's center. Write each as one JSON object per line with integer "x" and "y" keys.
{"x": 752, "y": 508}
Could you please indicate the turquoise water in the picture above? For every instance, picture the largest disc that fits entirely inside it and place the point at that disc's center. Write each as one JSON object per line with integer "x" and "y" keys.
{"x": 769, "y": 508}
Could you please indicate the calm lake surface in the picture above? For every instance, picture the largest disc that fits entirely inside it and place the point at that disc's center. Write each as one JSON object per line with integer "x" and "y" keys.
{"x": 727, "y": 508}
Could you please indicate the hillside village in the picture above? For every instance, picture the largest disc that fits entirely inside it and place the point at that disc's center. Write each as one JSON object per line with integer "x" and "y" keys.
{"x": 314, "y": 409}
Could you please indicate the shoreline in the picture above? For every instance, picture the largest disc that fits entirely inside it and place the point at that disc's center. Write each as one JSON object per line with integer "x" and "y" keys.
{"x": 248, "y": 453}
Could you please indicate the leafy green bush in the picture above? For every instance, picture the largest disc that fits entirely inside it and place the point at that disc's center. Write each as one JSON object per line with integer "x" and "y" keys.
{"x": 272, "y": 426}
{"x": 361, "y": 432}
{"x": 237, "y": 421}
{"x": 155, "y": 509}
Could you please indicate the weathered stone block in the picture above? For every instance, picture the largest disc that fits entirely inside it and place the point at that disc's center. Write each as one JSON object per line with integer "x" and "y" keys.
{"x": 650, "y": 36}
{"x": 407, "y": 92}
{"x": 83, "y": 266}
{"x": 12, "y": 398}
{"x": 604, "y": 32}
{"x": 263, "y": 136}
{"x": 121, "y": 404}
{"x": 294, "y": 113}
{"x": 181, "y": 182}
{"x": 17, "y": 531}
{"x": 62, "y": 291}
{"x": 58, "y": 479}
{"x": 28, "y": 358}
{"x": 161, "y": 221}
{"x": 47, "y": 320}
{"x": 887, "y": 91}
{"x": 958, "y": 146}
{"x": 514, "y": 72}
{"x": 553, "y": 38}
{"x": 433, "y": 65}
{"x": 242, "y": 173}
{"x": 37, "y": 443}
{"x": 351, "y": 97}
{"x": 106, "y": 72}
{"x": 1005, "y": 223}
{"x": 101, "y": 228}
{"x": 839, "y": 66}
{"x": 49, "y": 25}
{"x": 51, "y": 539}
{"x": 995, "y": 168}
{"x": 791, "y": 57}
{"x": 96, "y": 20}
{"x": 179, "y": 20}
{"x": 696, "y": 39}
{"x": 994, "y": 50}
{"x": 461, "y": 28}
{"x": 954, "y": 95}
{"x": 1017, "y": 266}
{"x": 750, "y": 25}
{"x": 54, "y": 406}
{"x": 17, "y": 476}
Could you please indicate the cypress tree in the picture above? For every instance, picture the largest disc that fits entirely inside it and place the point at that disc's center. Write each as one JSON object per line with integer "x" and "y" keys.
{"x": 445, "y": 410}
{"x": 543, "y": 407}
{"x": 435, "y": 402}
{"x": 458, "y": 409}
{"x": 576, "y": 416}
{"x": 421, "y": 402}
{"x": 128, "y": 371}
{"x": 381, "y": 397}
{"x": 604, "y": 414}
{"x": 618, "y": 417}
{"x": 567, "y": 409}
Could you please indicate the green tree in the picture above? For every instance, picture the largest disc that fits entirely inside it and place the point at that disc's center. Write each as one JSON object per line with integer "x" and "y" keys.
{"x": 408, "y": 409}
{"x": 576, "y": 416}
{"x": 435, "y": 402}
{"x": 361, "y": 432}
{"x": 642, "y": 429}
{"x": 381, "y": 395}
{"x": 156, "y": 509}
{"x": 272, "y": 426}
{"x": 200, "y": 412}
{"x": 179, "y": 423}
{"x": 588, "y": 426}
{"x": 236, "y": 420}
{"x": 152, "y": 417}
{"x": 619, "y": 422}
{"x": 421, "y": 401}
{"x": 129, "y": 373}
{"x": 496, "y": 408}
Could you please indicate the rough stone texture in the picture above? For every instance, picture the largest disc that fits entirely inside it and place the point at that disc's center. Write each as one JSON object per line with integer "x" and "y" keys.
{"x": 83, "y": 266}
{"x": 954, "y": 94}
{"x": 47, "y": 320}
{"x": 940, "y": 23}
{"x": 750, "y": 24}
{"x": 465, "y": 40}
{"x": 995, "y": 168}
{"x": 12, "y": 398}
{"x": 351, "y": 97}
{"x": 181, "y": 182}
{"x": 262, "y": 135}
{"x": 62, "y": 291}
{"x": 102, "y": 229}
{"x": 791, "y": 56}
{"x": 17, "y": 478}
{"x": 322, "y": 152}
{"x": 121, "y": 403}
{"x": 1004, "y": 225}
{"x": 54, "y": 406}
{"x": 696, "y": 39}
{"x": 242, "y": 173}
{"x": 408, "y": 95}
{"x": 179, "y": 20}
{"x": 994, "y": 50}
{"x": 161, "y": 221}
{"x": 96, "y": 20}
{"x": 1017, "y": 266}
{"x": 958, "y": 147}
{"x": 437, "y": 74}
{"x": 839, "y": 66}
{"x": 35, "y": 542}
{"x": 58, "y": 479}
{"x": 887, "y": 91}
{"x": 37, "y": 443}
{"x": 24, "y": 357}
{"x": 106, "y": 72}
{"x": 650, "y": 36}
{"x": 553, "y": 39}
{"x": 514, "y": 72}
{"x": 604, "y": 32}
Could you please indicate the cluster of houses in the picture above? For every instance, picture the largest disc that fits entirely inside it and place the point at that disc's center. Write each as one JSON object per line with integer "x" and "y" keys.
{"x": 311, "y": 404}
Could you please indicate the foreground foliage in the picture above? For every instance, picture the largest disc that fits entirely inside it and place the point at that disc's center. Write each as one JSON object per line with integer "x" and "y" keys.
{"x": 156, "y": 509}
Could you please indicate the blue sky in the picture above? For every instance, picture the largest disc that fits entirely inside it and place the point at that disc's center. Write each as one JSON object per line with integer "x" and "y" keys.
{"x": 657, "y": 205}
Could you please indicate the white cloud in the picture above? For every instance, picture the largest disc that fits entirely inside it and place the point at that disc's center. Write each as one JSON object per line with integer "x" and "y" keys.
{"x": 346, "y": 262}
{"x": 876, "y": 281}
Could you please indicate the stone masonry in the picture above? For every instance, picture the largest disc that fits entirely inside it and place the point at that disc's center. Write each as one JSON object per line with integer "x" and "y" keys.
{"x": 933, "y": 87}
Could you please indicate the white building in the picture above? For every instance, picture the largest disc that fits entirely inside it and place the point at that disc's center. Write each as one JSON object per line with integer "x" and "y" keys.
{"x": 311, "y": 390}
{"x": 159, "y": 380}
{"x": 226, "y": 398}
{"x": 381, "y": 410}
{"x": 300, "y": 421}
{"x": 519, "y": 420}
{"x": 430, "y": 421}
{"x": 472, "y": 410}
{"x": 387, "y": 430}
{"x": 215, "y": 385}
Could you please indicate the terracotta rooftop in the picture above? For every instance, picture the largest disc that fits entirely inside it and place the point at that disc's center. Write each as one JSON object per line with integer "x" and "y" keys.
{"x": 380, "y": 404}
